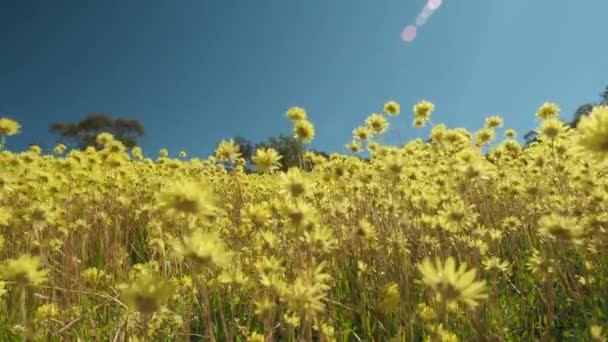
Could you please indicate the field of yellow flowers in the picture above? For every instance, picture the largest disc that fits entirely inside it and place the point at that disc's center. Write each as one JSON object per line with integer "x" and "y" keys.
{"x": 455, "y": 238}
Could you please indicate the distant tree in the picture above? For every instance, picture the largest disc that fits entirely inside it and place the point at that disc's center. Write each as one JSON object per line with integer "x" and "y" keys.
{"x": 581, "y": 111}
{"x": 83, "y": 133}
{"x": 290, "y": 148}
{"x": 604, "y": 96}
{"x": 246, "y": 146}
{"x": 585, "y": 109}
{"x": 530, "y": 137}
{"x": 321, "y": 153}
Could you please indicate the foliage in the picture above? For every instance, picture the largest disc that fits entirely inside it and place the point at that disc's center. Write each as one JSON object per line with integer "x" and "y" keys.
{"x": 585, "y": 109}
{"x": 581, "y": 111}
{"x": 290, "y": 148}
{"x": 82, "y": 134}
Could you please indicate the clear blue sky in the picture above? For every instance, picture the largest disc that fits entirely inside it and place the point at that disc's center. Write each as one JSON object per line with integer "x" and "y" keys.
{"x": 196, "y": 71}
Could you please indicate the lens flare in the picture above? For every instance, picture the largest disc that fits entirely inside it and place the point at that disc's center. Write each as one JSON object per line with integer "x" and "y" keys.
{"x": 409, "y": 34}
{"x": 422, "y": 18}
{"x": 433, "y": 5}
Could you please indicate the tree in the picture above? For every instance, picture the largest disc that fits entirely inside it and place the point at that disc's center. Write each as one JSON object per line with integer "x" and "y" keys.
{"x": 290, "y": 148}
{"x": 604, "y": 96}
{"x": 581, "y": 111}
{"x": 321, "y": 153}
{"x": 585, "y": 109}
{"x": 246, "y": 146}
{"x": 530, "y": 137}
{"x": 83, "y": 134}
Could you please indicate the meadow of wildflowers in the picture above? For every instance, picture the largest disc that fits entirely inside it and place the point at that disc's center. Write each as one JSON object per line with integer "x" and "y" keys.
{"x": 466, "y": 236}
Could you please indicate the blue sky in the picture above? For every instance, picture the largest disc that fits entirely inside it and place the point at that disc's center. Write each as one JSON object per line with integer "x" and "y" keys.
{"x": 197, "y": 71}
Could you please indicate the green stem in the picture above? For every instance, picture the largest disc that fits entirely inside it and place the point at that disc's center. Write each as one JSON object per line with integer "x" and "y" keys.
{"x": 207, "y": 313}
{"x": 301, "y": 156}
{"x": 24, "y": 317}
{"x": 307, "y": 329}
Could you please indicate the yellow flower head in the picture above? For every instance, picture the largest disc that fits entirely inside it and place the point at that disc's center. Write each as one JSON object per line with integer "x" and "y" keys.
{"x": 59, "y": 149}
{"x": 438, "y": 333}
{"x": 228, "y": 151}
{"x": 354, "y": 146}
{"x": 2, "y": 289}
{"x": 266, "y": 160}
{"x": 547, "y": 110}
{"x": 364, "y": 230}
{"x": 295, "y": 184}
{"x": 296, "y": 114}
{"x": 35, "y": 149}
{"x": 305, "y": 295}
{"x": 182, "y": 154}
{"x": 426, "y": 313}
{"x": 510, "y": 133}
{"x": 423, "y": 110}
{"x": 560, "y": 227}
{"x": 104, "y": 138}
{"x": 393, "y": 165}
{"x": 163, "y": 153}
{"x": 304, "y": 130}
{"x": 390, "y": 299}
{"x": 452, "y": 284}
{"x": 494, "y": 122}
{"x": 454, "y": 215}
{"x": 147, "y": 293}
{"x": 597, "y": 334}
{"x": 512, "y": 146}
{"x": 455, "y": 136}
{"x": 551, "y": 128}
{"x": 484, "y": 136}
{"x": 187, "y": 197}
{"x": 9, "y": 127}
{"x": 5, "y": 214}
{"x": 418, "y": 122}
{"x": 438, "y": 133}
{"x": 392, "y": 108}
{"x": 255, "y": 337}
{"x": 137, "y": 153}
{"x": 373, "y": 146}
{"x": 94, "y": 276}
{"x": 25, "y": 270}
{"x": 362, "y": 133}
{"x": 594, "y": 130}
{"x": 47, "y": 311}
{"x": 115, "y": 146}
{"x": 203, "y": 249}
{"x": 256, "y": 214}
{"x": 377, "y": 123}
{"x": 494, "y": 264}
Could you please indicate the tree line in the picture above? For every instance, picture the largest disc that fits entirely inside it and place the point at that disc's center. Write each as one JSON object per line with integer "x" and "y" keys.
{"x": 82, "y": 134}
